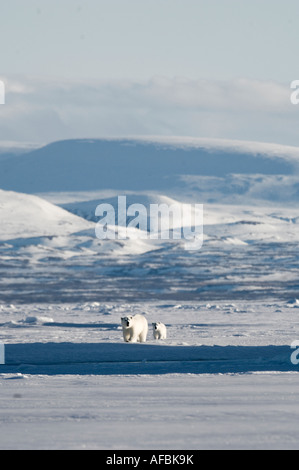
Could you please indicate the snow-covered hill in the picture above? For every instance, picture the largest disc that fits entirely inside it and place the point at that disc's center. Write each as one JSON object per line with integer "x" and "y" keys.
{"x": 27, "y": 216}
{"x": 165, "y": 165}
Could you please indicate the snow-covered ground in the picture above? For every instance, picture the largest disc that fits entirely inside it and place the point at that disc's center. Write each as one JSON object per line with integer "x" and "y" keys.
{"x": 224, "y": 377}
{"x": 252, "y": 411}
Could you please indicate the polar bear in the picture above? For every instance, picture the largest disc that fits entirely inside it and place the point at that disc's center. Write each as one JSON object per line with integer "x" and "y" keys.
{"x": 159, "y": 330}
{"x": 135, "y": 328}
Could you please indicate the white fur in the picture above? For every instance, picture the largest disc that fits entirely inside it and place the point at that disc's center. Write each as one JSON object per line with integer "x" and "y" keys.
{"x": 159, "y": 330}
{"x": 135, "y": 328}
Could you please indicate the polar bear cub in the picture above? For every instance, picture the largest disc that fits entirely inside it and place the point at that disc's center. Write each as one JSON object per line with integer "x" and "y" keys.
{"x": 135, "y": 328}
{"x": 159, "y": 330}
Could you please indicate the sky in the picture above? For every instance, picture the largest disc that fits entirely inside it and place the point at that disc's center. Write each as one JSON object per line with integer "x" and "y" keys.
{"x": 200, "y": 68}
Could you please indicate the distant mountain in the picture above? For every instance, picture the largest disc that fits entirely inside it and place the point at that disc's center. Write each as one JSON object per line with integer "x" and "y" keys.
{"x": 136, "y": 164}
{"x": 13, "y": 149}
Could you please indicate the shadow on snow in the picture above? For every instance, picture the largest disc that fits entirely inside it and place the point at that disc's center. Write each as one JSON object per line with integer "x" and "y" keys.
{"x": 126, "y": 359}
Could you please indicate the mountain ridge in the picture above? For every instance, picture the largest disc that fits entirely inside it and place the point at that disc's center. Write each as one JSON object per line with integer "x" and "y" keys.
{"x": 133, "y": 164}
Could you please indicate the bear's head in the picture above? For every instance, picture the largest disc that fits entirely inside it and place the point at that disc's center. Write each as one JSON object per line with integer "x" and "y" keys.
{"x": 156, "y": 325}
{"x": 127, "y": 321}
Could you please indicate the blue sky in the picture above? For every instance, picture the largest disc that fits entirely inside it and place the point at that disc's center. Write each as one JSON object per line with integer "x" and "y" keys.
{"x": 150, "y": 66}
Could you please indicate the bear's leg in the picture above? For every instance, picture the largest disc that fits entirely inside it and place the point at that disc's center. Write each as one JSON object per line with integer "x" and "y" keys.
{"x": 142, "y": 337}
{"x": 126, "y": 337}
{"x": 134, "y": 339}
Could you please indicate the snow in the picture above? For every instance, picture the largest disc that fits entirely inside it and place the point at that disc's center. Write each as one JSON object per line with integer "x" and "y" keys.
{"x": 224, "y": 378}
{"x": 174, "y": 412}
{"x": 268, "y": 149}
{"x": 25, "y": 216}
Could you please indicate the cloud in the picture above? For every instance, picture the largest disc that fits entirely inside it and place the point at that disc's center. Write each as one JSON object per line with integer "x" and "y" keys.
{"x": 45, "y": 110}
{"x": 240, "y": 94}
